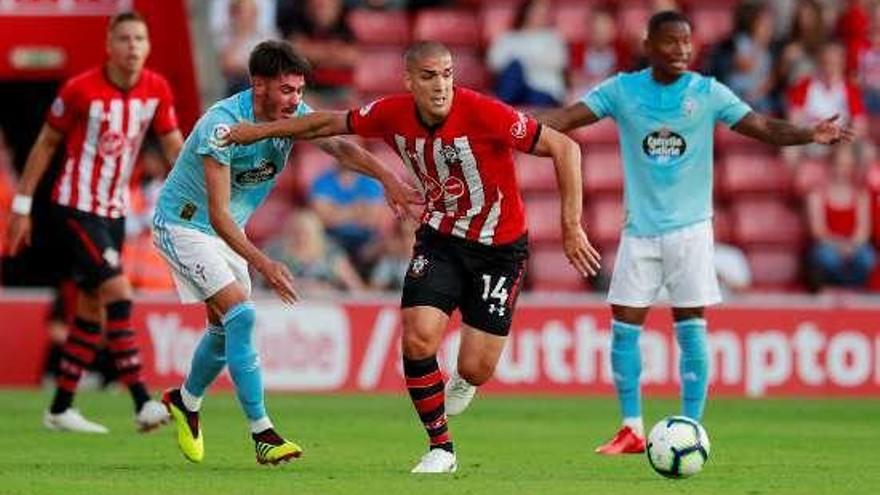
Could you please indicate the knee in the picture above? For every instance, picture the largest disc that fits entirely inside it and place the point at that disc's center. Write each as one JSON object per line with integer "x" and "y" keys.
{"x": 421, "y": 335}
{"x": 629, "y": 315}
{"x": 416, "y": 345}
{"x": 476, "y": 371}
{"x": 241, "y": 317}
{"x": 115, "y": 289}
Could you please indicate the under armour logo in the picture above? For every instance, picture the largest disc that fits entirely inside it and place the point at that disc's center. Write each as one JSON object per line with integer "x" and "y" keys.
{"x": 493, "y": 309}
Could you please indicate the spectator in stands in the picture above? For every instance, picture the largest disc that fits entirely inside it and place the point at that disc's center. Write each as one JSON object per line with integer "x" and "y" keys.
{"x": 319, "y": 30}
{"x": 839, "y": 217}
{"x": 827, "y": 93}
{"x": 854, "y": 31}
{"x": 394, "y": 258}
{"x": 316, "y": 263}
{"x": 603, "y": 54}
{"x": 220, "y": 21}
{"x": 868, "y": 71}
{"x": 530, "y": 60}
{"x": 235, "y": 42}
{"x": 376, "y": 4}
{"x": 751, "y": 71}
{"x": 350, "y": 205}
{"x": 808, "y": 36}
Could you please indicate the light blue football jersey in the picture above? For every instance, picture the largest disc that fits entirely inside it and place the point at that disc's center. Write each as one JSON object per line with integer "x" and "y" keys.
{"x": 666, "y": 144}
{"x": 253, "y": 168}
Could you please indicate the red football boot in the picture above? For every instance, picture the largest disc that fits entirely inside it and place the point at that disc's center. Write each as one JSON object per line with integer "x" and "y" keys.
{"x": 625, "y": 442}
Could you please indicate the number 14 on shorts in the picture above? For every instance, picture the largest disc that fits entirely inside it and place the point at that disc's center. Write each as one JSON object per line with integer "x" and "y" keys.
{"x": 496, "y": 291}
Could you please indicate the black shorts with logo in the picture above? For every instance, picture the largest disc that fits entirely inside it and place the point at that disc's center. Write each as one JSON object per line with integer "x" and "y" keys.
{"x": 482, "y": 281}
{"x": 89, "y": 246}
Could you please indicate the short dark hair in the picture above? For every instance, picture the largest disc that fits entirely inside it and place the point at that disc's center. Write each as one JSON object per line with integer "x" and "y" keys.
{"x": 660, "y": 18}
{"x": 127, "y": 16}
{"x": 273, "y": 58}
{"x": 424, "y": 49}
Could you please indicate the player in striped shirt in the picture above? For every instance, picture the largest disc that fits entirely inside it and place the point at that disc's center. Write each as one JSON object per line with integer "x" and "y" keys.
{"x": 102, "y": 115}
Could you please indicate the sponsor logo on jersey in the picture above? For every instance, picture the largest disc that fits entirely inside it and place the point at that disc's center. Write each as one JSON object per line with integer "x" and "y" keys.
{"x": 664, "y": 145}
{"x": 265, "y": 171}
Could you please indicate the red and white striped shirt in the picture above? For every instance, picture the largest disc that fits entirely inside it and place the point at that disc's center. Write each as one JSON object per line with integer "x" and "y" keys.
{"x": 104, "y": 127}
{"x": 465, "y": 164}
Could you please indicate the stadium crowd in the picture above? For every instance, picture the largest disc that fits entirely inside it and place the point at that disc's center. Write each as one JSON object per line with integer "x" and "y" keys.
{"x": 799, "y": 220}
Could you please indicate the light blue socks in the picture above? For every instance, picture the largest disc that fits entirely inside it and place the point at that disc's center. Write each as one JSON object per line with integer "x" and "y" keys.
{"x": 207, "y": 362}
{"x": 694, "y": 366}
{"x": 626, "y": 364}
{"x": 244, "y": 363}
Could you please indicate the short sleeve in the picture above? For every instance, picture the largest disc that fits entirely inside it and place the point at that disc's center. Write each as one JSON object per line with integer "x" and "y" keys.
{"x": 65, "y": 108}
{"x": 602, "y": 99}
{"x": 514, "y": 128}
{"x": 369, "y": 120}
{"x": 727, "y": 107}
{"x": 210, "y": 131}
{"x": 165, "y": 120}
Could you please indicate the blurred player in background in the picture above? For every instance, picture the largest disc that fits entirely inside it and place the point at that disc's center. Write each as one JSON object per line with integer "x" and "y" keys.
{"x": 103, "y": 115}
{"x": 198, "y": 226}
{"x": 471, "y": 248}
{"x": 666, "y": 116}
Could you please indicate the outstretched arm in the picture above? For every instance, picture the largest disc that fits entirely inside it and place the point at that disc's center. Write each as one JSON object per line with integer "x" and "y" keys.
{"x": 313, "y": 125}
{"x": 567, "y": 160}
{"x": 779, "y": 132}
{"x": 568, "y": 118}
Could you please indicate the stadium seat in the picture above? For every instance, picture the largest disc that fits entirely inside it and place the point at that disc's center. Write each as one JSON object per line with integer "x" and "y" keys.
{"x": 602, "y": 132}
{"x": 542, "y": 216}
{"x": 310, "y": 163}
{"x": 535, "y": 173}
{"x": 605, "y": 216}
{"x": 722, "y": 225}
{"x": 808, "y": 175}
{"x": 767, "y": 222}
{"x": 753, "y": 173}
{"x": 380, "y": 28}
{"x": 379, "y": 71}
{"x": 450, "y": 26}
{"x": 632, "y": 19}
{"x": 572, "y": 19}
{"x": 711, "y": 22}
{"x": 774, "y": 268}
{"x": 603, "y": 171}
{"x": 549, "y": 271}
{"x": 496, "y": 18}
{"x": 470, "y": 70}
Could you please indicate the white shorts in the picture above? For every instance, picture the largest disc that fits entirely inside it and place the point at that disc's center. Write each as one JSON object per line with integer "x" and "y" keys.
{"x": 201, "y": 264}
{"x": 680, "y": 261}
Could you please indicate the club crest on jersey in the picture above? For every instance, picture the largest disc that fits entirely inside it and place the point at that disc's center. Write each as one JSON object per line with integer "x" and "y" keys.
{"x": 111, "y": 144}
{"x": 663, "y": 145}
{"x": 520, "y": 128}
{"x": 418, "y": 266}
{"x": 219, "y": 136}
{"x": 450, "y": 155}
{"x": 265, "y": 171}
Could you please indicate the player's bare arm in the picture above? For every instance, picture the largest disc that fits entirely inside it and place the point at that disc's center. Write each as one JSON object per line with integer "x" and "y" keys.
{"x": 567, "y": 118}
{"x": 218, "y": 184}
{"x": 567, "y": 160}
{"x": 779, "y": 132}
{"x": 311, "y": 126}
{"x": 171, "y": 144}
{"x": 19, "y": 233}
{"x": 402, "y": 198}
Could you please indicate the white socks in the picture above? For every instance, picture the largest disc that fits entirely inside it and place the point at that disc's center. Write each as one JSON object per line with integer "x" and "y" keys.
{"x": 191, "y": 402}
{"x": 636, "y": 425}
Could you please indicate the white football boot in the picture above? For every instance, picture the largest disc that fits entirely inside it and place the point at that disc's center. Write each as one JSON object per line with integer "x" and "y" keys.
{"x": 436, "y": 461}
{"x": 459, "y": 394}
{"x": 152, "y": 415}
{"x": 71, "y": 420}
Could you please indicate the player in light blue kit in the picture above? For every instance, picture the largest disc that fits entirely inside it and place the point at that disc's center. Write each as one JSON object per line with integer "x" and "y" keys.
{"x": 198, "y": 227}
{"x": 666, "y": 116}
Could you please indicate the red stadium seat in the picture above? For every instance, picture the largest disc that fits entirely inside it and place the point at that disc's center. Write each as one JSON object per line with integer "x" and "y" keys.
{"x": 380, "y": 28}
{"x": 603, "y": 171}
{"x": 602, "y": 132}
{"x": 542, "y": 215}
{"x": 632, "y": 19}
{"x": 767, "y": 222}
{"x": 379, "y": 71}
{"x": 450, "y": 26}
{"x": 496, "y": 18}
{"x": 711, "y": 22}
{"x": 470, "y": 70}
{"x": 572, "y": 19}
{"x": 535, "y": 173}
{"x": 774, "y": 268}
{"x": 549, "y": 271}
{"x": 722, "y": 224}
{"x": 750, "y": 173}
{"x": 605, "y": 217}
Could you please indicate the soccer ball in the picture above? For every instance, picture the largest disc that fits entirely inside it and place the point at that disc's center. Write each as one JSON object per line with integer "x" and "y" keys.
{"x": 678, "y": 447}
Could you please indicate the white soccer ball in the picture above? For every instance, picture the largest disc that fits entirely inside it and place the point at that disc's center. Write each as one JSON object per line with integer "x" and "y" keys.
{"x": 678, "y": 447}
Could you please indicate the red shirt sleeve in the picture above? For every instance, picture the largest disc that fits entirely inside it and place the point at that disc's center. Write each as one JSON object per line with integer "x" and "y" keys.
{"x": 65, "y": 108}
{"x": 513, "y": 128}
{"x": 369, "y": 120}
{"x": 854, "y": 100}
{"x": 165, "y": 120}
{"x": 797, "y": 95}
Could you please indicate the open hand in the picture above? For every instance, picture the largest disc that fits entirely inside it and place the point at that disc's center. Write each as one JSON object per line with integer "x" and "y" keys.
{"x": 403, "y": 199}
{"x": 829, "y": 132}
{"x": 580, "y": 252}
{"x": 281, "y": 280}
{"x": 18, "y": 234}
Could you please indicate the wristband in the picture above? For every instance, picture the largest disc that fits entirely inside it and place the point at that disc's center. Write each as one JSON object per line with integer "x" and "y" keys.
{"x": 21, "y": 204}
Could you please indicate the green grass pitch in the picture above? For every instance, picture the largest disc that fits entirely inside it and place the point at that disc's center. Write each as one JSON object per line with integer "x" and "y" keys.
{"x": 359, "y": 444}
